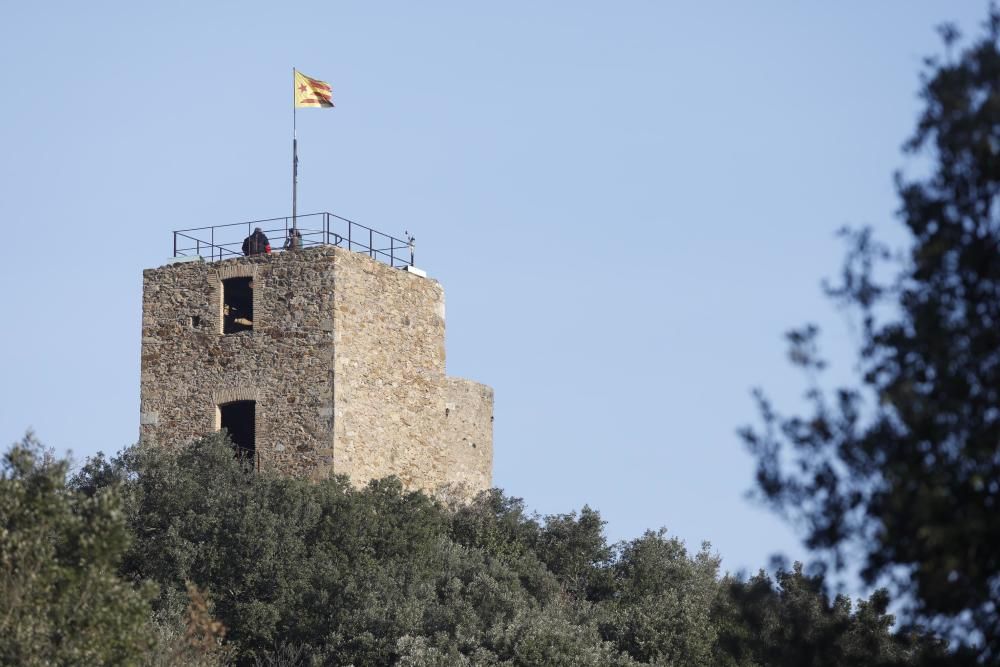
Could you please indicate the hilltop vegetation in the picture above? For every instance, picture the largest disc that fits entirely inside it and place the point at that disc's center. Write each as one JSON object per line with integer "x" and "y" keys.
{"x": 188, "y": 558}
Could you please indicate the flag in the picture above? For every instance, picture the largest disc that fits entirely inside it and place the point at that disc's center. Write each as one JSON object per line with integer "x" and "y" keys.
{"x": 311, "y": 92}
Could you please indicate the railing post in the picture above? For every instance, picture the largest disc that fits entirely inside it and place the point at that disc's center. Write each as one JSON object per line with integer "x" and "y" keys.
{"x": 175, "y": 244}
{"x": 371, "y": 242}
{"x": 349, "y": 225}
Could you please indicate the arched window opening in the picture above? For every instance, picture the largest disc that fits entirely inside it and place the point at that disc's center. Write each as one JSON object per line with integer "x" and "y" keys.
{"x": 239, "y": 419}
{"x": 237, "y": 305}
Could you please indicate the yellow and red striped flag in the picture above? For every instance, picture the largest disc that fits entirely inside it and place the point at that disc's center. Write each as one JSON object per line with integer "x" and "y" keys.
{"x": 311, "y": 92}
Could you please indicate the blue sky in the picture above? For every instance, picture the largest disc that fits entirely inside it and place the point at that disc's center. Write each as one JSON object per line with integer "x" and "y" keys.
{"x": 627, "y": 204}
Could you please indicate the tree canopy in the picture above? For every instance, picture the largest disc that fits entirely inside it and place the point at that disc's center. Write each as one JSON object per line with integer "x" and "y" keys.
{"x": 156, "y": 557}
{"x": 902, "y": 471}
{"x": 62, "y": 599}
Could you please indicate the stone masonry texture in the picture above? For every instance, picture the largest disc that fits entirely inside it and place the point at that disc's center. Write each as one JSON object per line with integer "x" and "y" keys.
{"x": 346, "y": 364}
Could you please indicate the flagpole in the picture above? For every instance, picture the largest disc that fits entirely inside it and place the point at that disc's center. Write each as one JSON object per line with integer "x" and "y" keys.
{"x": 295, "y": 160}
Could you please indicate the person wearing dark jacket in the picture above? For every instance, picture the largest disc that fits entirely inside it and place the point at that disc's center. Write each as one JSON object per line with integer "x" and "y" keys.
{"x": 294, "y": 240}
{"x": 256, "y": 243}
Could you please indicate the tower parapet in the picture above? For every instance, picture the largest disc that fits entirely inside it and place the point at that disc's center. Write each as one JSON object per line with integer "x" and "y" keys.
{"x": 317, "y": 361}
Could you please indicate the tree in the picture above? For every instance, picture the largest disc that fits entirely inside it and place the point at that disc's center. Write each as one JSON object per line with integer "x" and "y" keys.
{"x": 661, "y": 610}
{"x": 904, "y": 468}
{"x": 791, "y": 621}
{"x": 61, "y": 599}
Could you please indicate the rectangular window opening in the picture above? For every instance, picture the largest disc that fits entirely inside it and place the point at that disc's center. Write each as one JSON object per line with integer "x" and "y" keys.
{"x": 239, "y": 420}
{"x": 237, "y": 305}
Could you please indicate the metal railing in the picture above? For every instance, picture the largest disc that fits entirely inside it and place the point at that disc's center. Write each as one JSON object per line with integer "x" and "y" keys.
{"x": 219, "y": 242}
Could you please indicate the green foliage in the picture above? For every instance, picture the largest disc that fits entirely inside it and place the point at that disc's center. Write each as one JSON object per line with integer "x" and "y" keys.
{"x": 322, "y": 573}
{"x": 62, "y": 601}
{"x": 576, "y": 551}
{"x": 904, "y": 468}
{"x": 791, "y": 621}
{"x": 661, "y": 610}
{"x": 225, "y": 565}
{"x": 337, "y": 571}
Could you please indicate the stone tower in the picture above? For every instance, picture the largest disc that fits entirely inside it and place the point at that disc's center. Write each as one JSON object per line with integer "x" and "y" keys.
{"x": 317, "y": 361}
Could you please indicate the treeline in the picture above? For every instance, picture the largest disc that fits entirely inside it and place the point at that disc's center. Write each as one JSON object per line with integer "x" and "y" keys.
{"x": 187, "y": 558}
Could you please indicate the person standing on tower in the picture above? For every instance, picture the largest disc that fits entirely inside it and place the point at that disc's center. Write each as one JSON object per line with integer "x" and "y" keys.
{"x": 294, "y": 240}
{"x": 256, "y": 243}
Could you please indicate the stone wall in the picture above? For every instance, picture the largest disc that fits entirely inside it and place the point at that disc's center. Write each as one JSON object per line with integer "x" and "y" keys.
{"x": 393, "y": 404}
{"x": 346, "y": 364}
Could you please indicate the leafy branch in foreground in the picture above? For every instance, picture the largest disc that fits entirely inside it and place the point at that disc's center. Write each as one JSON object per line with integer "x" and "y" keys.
{"x": 904, "y": 469}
